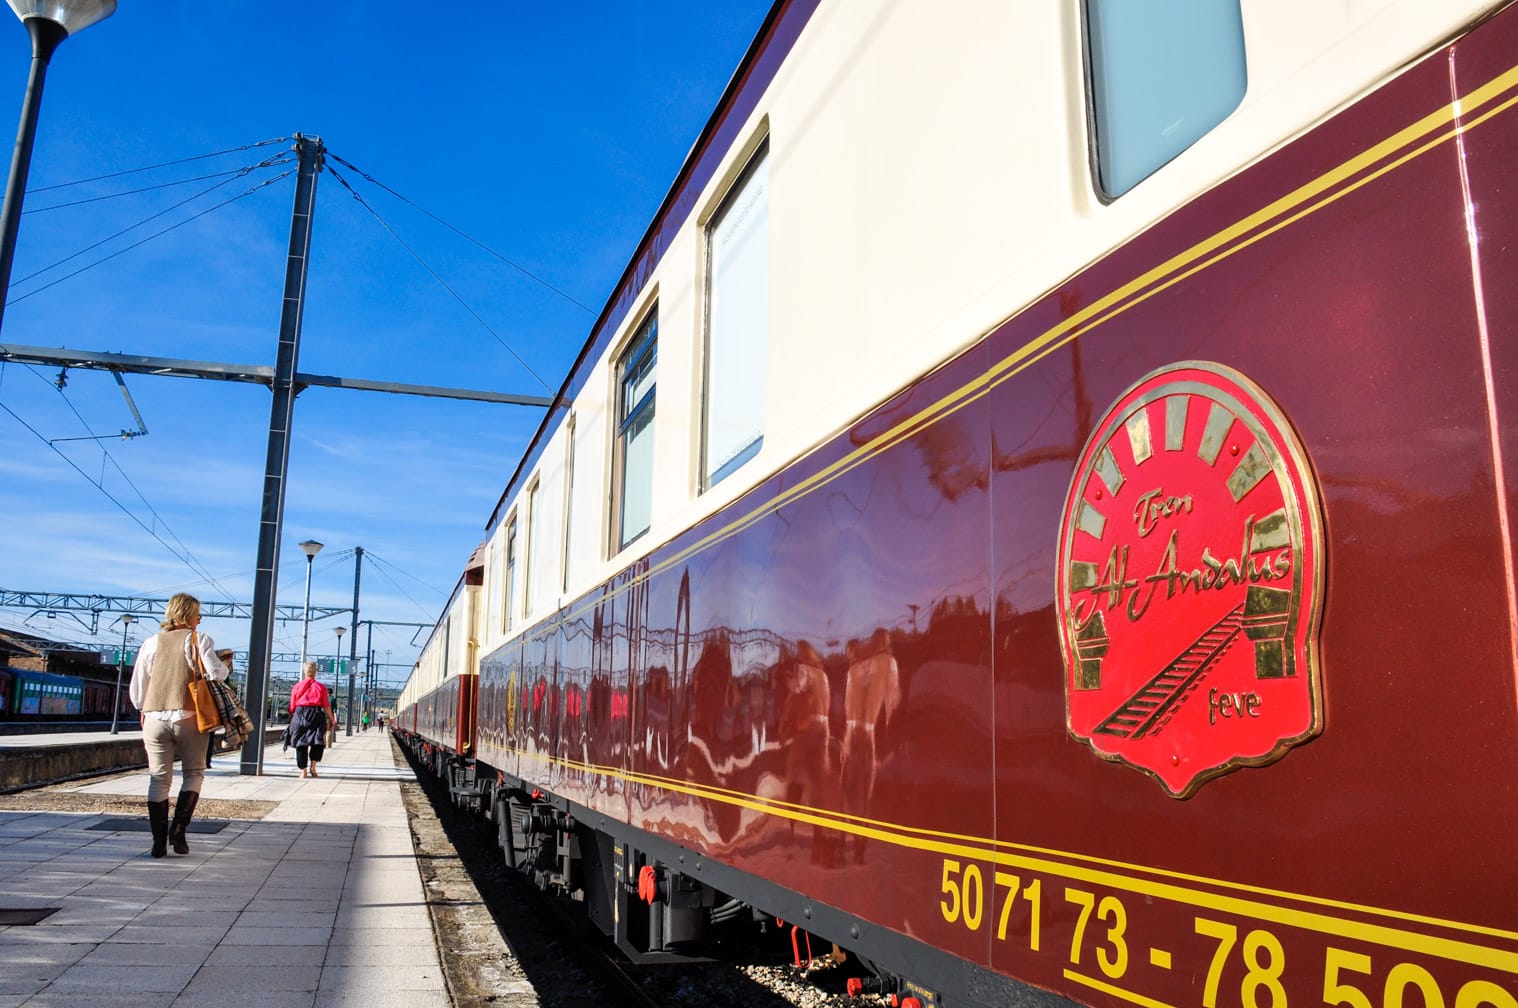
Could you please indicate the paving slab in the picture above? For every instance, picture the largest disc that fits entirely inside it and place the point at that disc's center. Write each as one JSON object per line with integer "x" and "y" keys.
{"x": 318, "y": 904}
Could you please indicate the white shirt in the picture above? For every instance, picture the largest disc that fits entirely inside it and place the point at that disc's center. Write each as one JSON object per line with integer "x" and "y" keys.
{"x": 142, "y": 672}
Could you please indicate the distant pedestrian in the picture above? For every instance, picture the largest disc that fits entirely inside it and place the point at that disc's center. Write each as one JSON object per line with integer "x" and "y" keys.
{"x": 366, "y": 720}
{"x": 160, "y": 690}
{"x": 310, "y": 714}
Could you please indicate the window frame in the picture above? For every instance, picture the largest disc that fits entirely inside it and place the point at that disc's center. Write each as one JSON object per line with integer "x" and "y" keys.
{"x": 1093, "y": 138}
{"x": 752, "y": 160}
{"x": 508, "y": 615}
{"x": 643, "y": 343}
{"x": 529, "y": 566}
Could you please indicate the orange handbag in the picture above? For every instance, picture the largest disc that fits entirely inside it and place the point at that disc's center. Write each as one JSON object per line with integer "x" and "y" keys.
{"x": 207, "y": 716}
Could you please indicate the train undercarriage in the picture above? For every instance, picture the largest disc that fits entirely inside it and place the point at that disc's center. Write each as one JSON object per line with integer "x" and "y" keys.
{"x": 660, "y": 902}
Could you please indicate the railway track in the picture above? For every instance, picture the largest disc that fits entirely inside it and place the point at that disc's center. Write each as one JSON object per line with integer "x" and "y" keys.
{"x": 559, "y": 959}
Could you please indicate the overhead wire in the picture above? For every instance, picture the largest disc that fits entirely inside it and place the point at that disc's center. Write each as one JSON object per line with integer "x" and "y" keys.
{"x": 290, "y": 636}
{"x": 209, "y": 578}
{"x": 383, "y": 567}
{"x": 283, "y": 572}
{"x": 467, "y": 237}
{"x": 271, "y": 162}
{"x": 196, "y": 566}
{"x": 164, "y": 164}
{"x": 404, "y": 573}
{"x": 135, "y": 192}
{"x": 434, "y": 273}
{"x": 158, "y": 234}
{"x": 186, "y": 558}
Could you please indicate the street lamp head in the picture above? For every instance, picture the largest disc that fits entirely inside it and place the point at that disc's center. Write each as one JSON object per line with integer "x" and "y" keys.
{"x": 72, "y": 16}
{"x": 310, "y": 547}
{"x": 339, "y": 630}
{"x": 128, "y": 619}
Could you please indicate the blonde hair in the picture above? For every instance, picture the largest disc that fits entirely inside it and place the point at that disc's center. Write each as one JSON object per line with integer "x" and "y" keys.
{"x": 181, "y": 611}
{"x": 309, "y": 669}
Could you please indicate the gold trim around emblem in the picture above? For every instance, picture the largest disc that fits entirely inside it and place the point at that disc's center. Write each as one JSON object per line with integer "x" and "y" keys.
{"x": 1297, "y": 524}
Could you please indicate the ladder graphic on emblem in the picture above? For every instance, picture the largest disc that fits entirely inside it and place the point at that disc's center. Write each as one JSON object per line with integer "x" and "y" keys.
{"x": 1148, "y": 710}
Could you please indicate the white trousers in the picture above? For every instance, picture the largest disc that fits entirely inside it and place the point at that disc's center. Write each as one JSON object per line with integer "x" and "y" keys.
{"x": 167, "y": 742}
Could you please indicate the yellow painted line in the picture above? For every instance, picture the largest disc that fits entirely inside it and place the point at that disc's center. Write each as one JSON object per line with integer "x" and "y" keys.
{"x": 1337, "y": 927}
{"x": 1020, "y": 855}
{"x": 1115, "y": 991}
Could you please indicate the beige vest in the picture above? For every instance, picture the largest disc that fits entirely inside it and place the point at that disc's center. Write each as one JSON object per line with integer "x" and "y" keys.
{"x": 168, "y": 683}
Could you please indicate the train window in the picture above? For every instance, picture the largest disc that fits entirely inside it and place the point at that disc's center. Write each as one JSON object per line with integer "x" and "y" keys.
{"x": 1160, "y": 75}
{"x": 569, "y": 498}
{"x": 493, "y": 571}
{"x": 635, "y": 432}
{"x": 534, "y": 567}
{"x": 510, "y": 575}
{"x": 737, "y": 322}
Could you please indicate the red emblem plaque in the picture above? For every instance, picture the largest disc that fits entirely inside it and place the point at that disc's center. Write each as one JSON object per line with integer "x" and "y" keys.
{"x": 1190, "y": 581}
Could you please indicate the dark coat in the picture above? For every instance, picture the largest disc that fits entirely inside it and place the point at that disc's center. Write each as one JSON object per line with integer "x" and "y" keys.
{"x": 308, "y": 727}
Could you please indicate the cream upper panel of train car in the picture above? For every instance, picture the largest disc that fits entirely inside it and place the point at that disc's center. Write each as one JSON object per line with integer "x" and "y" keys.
{"x": 433, "y": 663}
{"x": 447, "y": 652}
{"x": 925, "y": 174}
{"x": 930, "y": 176}
{"x": 586, "y": 521}
{"x": 464, "y": 652}
{"x": 526, "y": 557}
{"x": 562, "y": 532}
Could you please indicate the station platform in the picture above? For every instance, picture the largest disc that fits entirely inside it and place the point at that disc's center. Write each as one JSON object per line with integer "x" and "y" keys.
{"x": 26, "y": 759}
{"x": 320, "y": 903}
{"x": 129, "y": 730}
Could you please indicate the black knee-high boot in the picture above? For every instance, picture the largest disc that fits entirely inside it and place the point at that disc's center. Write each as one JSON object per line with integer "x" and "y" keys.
{"x": 158, "y": 821}
{"x": 184, "y": 809}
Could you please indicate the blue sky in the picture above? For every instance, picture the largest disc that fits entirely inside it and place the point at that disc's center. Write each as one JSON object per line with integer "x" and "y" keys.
{"x": 549, "y": 133}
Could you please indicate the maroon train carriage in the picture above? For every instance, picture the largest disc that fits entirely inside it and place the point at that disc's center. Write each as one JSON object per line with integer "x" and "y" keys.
{"x": 445, "y": 717}
{"x": 445, "y": 713}
{"x": 1158, "y": 649}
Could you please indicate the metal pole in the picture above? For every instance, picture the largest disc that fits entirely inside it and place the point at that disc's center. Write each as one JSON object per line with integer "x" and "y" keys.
{"x": 45, "y": 38}
{"x": 358, "y": 567}
{"x": 277, "y": 462}
{"x": 369, "y": 668}
{"x": 337, "y": 674}
{"x": 305, "y": 626}
{"x": 126, "y": 623}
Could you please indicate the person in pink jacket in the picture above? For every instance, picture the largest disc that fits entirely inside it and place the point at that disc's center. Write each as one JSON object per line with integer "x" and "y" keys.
{"x": 310, "y": 717}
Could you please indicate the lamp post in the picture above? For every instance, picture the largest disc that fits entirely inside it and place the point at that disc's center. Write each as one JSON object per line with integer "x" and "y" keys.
{"x": 362, "y": 693}
{"x": 310, "y": 547}
{"x": 337, "y": 664}
{"x": 48, "y": 22}
{"x": 126, "y": 623}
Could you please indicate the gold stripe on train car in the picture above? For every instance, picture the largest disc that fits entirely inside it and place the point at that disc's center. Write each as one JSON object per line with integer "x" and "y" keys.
{"x": 1349, "y": 176}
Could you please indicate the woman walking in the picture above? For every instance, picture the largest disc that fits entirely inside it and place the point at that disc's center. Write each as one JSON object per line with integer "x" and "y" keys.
{"x": 160, "y": 690}
{"x": 310, "y": 714}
